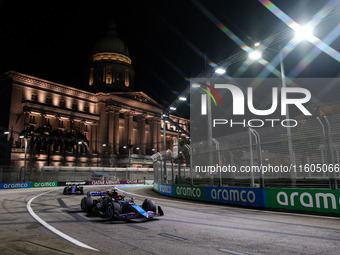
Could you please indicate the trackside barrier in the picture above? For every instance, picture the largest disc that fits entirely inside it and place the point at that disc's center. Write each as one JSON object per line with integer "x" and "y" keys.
{"x": 326, "y": 201}
{"x": 312, "y": 200}
{"x": 190, "y": 192}
{"x": 73, "y": 183}
{"x": 230, "y": 195}
{"x": 18, "y": 185}
{"x": 166, "y": 189}
{"x": 240, "y": 196}
{"x": 23, "y": 185}
{"x": 115, "y": 182}
{"x": 43, "y": 184}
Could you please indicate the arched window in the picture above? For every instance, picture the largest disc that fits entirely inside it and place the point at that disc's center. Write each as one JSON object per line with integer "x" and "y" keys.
{"x": 91, "y": 76}
{"x": 127, "y": 78}
{"x": 108, "y": 74}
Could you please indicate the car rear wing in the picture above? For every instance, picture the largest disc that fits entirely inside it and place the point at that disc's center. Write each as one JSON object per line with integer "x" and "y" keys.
{"x": 96, "y": 193}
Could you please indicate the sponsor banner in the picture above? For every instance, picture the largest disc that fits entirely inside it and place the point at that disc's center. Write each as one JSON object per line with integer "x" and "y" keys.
{"x": 72, "y": 183}
{"x": 304, "y": 199}
{"x": 233, "y": 195}
{"x": 166, "y": 189}
{"x": 19, "y": 185}
{"x": 116, "y": 182}
{"x": 133, "y": 186}
{"x": 190, "y": 192}
{"x": 156, "y": 186}
{"x": 43, "y": 184}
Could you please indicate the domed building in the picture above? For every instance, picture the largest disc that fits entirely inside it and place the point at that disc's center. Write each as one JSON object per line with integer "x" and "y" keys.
{"x": 106, "y": 124}
{"x": 110, "y": 68}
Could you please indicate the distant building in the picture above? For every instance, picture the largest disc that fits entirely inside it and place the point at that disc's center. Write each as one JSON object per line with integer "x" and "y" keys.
{"x": 65, "y": 126}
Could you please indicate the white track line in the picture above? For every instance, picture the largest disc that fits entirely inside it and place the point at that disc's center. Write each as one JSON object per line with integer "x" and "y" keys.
{"x": 54, "y": 230}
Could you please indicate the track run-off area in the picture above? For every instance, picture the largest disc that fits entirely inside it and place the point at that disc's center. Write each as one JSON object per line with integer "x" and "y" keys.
{"x": 43, "y": 219}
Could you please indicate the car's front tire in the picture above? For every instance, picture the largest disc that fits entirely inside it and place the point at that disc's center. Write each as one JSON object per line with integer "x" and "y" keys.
{"x": 149, "y": 205}
{"x": 113, "y": 210}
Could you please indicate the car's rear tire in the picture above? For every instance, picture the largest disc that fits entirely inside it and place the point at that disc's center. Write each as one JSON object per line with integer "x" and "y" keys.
{"x": 149, "y": 205}
{"x": 86, "y": 204}
{"x": 65, "y": 191}
{"x": 81, "y": 189}
{"x": 113, "y": 210}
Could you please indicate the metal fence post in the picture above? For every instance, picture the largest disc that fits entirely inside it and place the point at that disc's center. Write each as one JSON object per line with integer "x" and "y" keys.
{"x": 259, "y": 155}
{"x": 218, "y": 160}
{"x": 179, "y": 170}
{"x": 324, "y": 149}
{"x": 333, "y": 180}
{"x": 251, "y": 157}
{"x": 172, "y": 172}
{"x": 191, "y": 169}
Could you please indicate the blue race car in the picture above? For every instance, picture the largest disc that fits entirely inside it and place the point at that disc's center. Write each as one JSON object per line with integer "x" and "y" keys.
{"x": 113, "y": 206}
{"x": 73, "y": 189}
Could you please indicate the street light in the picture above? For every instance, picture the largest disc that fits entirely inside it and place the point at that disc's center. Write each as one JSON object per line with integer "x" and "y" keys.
{"x": 255, "y": 55}
{"x": 220, "y": 70}
{"x": 25, "y": 159}
{"x": 182, "y": 99}
{"x": 103, "y": 152}
{"x": 303, "y": 32}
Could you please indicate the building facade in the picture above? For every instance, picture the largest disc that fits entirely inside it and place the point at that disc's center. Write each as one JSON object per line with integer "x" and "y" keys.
{"x": 108, "y": 124}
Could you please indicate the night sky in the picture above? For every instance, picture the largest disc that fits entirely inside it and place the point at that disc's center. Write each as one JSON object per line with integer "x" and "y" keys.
{"x": 167, "y": 40}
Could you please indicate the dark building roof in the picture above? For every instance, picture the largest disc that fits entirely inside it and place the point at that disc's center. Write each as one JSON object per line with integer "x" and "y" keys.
{"x": 111, "y": 43}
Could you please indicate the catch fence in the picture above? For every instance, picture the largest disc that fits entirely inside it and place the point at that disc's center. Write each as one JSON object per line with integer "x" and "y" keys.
{"x": 306, "y": 156}
{"x": 55, "y": 173}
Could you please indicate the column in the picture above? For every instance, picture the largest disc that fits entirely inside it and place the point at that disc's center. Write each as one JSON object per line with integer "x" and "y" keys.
{"x": 110, "y": 131}
{"x": 82, "y": 127}
{"x": 102, "y": 127}
{"x": 142, "y": 135}
{"x": 41, "y": 120}
{"x": 125, "y": 132}
{"x": 55, "y": 122}
{"x": 94, "y": 137}
{"x": 159, "y": 137}
{"x": 130, "y": 129}
{"x": 70, "y": 125}
{"x": 116, "y": 131}
{"x": 153, "y": 133}
{"x": 26, "y": 118}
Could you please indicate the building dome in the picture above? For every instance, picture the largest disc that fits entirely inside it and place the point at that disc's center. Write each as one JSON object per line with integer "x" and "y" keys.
{"x": 111, "y": 43}
{"x": 110, "y": 68}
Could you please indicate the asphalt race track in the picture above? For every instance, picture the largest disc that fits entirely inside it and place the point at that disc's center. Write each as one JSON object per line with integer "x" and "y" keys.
{"x": 187, "y": 227}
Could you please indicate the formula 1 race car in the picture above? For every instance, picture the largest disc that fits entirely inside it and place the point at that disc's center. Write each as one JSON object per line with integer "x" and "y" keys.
{"x": 73, "y": 189}
{"x": 113, "y": 206}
